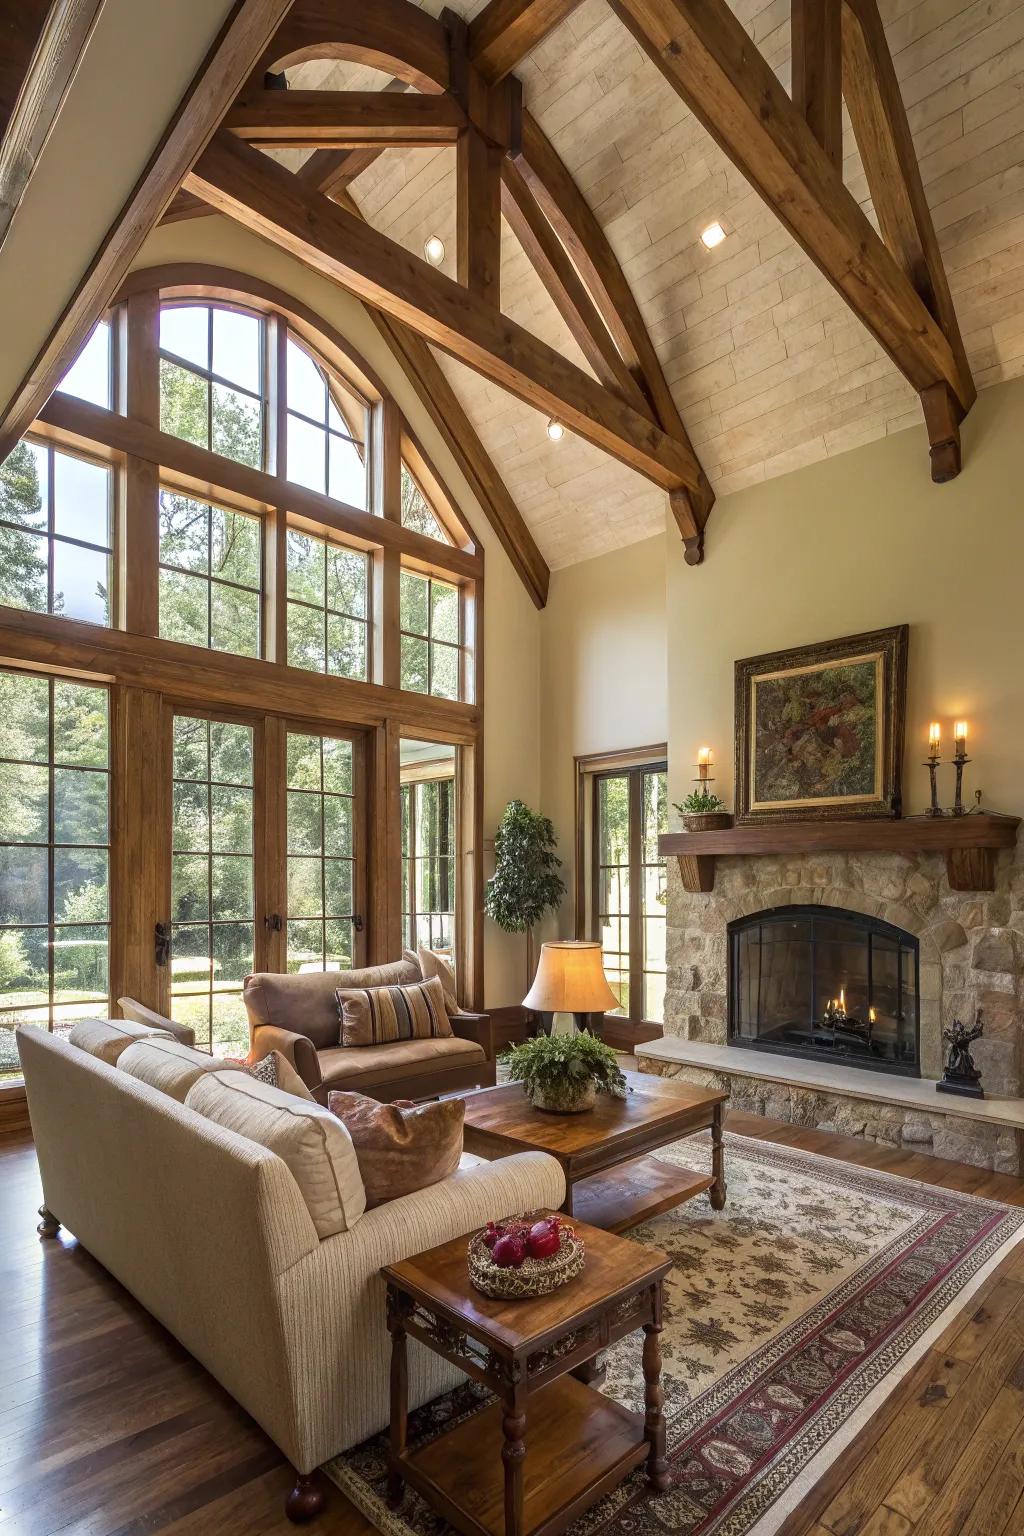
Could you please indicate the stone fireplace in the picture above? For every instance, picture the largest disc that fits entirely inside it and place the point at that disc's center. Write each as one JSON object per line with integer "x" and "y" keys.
{"x": 969, "y": 959}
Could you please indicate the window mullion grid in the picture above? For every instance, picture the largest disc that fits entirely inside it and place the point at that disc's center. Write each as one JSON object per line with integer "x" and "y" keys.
{"x": 636, "y": 906}
{"x": 51, "y": 833}
{"x": 323, "y": 856}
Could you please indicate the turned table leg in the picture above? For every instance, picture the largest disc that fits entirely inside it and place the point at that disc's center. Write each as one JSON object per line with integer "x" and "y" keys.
{"x": 654, "y": 1399}
{"x": 49, "y": 1226}
{"x": 716, "y": 1194}
{"x": 397, "y": 1312}
{"x": 513, "y": 1454}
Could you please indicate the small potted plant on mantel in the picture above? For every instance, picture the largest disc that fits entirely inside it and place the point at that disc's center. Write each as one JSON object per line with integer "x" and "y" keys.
{"x": 703, "y": 811}
{"x": 563, "y": 1074}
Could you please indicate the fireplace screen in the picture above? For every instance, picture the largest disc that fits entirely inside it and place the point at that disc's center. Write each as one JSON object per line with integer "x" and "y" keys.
{"x": 825, "y": 983}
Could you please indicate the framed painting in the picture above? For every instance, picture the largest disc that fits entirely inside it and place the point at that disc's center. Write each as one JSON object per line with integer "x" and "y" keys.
{"x": 819, "y": 730}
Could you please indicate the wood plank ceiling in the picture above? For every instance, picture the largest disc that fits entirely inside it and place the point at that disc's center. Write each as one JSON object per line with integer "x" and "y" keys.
{"x": 768, "y": 367}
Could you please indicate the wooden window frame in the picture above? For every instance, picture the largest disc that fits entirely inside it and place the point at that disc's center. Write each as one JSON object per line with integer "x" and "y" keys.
{"x": 589, "y": 769}
{"x": 146, "y": 674}
{"x": 431, "y": 774}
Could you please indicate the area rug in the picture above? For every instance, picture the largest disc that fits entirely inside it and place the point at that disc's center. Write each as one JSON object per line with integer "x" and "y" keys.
{"x": 790, "y": 1316}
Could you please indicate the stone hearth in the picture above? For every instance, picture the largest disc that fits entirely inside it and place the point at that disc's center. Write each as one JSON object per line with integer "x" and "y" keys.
{"x": 972, "y": 960}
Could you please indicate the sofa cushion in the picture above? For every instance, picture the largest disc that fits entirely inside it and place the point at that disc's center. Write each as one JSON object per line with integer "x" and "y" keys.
{"x": 401, "y": 1148}
{"x": 382, "y": 1015}
{"x": 167, "y": 1065}
{"x": 278, "y": 1071}
{"x": 306, "y": 1004}
{"x": 107, "y": 1038}
{"x": 433, "y": 964}
{"x": 315, "y": 1146}
{"x": 381, "y": 1064}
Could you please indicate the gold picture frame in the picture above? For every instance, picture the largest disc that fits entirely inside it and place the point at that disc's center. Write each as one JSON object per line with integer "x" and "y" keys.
{"x": 819, "y": 729}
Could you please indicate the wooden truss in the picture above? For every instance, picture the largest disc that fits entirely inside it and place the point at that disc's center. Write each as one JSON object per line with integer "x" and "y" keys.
{"x": 456, "y": 84}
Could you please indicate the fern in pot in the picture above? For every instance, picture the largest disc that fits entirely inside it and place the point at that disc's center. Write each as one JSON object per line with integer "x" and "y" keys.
{"x": 703, "y": 811}
{"x": 564, "y": 1073}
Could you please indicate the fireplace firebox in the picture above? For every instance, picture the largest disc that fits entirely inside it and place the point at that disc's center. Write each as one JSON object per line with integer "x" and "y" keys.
{"x": 828, "y": 984}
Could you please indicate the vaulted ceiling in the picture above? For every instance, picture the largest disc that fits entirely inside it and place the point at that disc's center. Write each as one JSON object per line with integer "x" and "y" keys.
{"x": 769, "y": 368}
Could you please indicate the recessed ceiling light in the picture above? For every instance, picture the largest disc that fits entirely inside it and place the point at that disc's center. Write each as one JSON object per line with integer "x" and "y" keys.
{"x": 713, "y": 235}
{"x": 433, "y": 250}
{"x": 556, "y": 431}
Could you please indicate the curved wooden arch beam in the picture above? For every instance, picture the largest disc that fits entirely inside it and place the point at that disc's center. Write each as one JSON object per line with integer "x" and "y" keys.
{"x": 389, "y": 35}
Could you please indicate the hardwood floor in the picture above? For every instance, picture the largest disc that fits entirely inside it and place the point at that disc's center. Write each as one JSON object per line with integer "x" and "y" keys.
{"x": 108, "y": 1428}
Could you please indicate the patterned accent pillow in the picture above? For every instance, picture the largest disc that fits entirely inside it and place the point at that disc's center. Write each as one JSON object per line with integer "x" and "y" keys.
{"x": 382, "y": 1015}
{"x": 277, "y": 1072}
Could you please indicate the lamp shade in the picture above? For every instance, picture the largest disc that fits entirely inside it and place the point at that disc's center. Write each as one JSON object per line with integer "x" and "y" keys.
{"x": 570, "y": 979}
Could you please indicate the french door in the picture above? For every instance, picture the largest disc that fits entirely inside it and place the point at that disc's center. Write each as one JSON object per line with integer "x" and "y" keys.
{"x": 628, "y": 899}
{"x": 267, "y": 867}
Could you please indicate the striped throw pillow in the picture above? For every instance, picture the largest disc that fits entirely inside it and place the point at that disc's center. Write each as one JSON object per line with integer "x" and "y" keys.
{"x": 382, "y": 1015}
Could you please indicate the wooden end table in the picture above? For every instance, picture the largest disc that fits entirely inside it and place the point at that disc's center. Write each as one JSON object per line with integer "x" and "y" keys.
{"x": 610, "y": 1180}
{"x": 550, "y": 1445}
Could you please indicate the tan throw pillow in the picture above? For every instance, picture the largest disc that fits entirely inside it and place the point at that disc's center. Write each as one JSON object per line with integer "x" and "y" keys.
{"x": 107, "y": 1038}
{"x": 381, "y": 1015}
{"x": 401, "y": 1148}
{"x": 277, "y": 1071}
{"x": 315, "y": 1145}
{"x": 433, "y": 964}
{"x": 167, "y": 1065}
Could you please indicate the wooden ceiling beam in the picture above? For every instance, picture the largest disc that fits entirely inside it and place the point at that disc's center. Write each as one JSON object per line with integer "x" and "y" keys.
{"x": 346, "y": 119}
{"x": 217, "y": 82}
{"x": 507, "y": 30}
{"x": 887, "y": 150}
{"x": 184, "y": 206}
{"x": 268, "y": 199}
{"x": 573, "y": 221}
{"x": 478, "y": 157}
{"x": 41, "y": 47}
{"x": 816, "y": 33}
{"x": 550, "y": 259}
{"x": 708, "y": 57}
{"x": 333, "y": 170}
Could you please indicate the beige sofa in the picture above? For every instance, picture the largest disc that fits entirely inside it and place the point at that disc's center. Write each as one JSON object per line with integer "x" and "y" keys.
{"x": 209, "y": 1231}
{"x": 298, "y": 1016}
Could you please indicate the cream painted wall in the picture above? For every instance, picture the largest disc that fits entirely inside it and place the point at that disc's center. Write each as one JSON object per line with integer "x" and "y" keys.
{"x": 136, "y": 68}
{"x": 604, "y": 675}
{"x": 511, "y": 623}
{"x": 861, "y": 542}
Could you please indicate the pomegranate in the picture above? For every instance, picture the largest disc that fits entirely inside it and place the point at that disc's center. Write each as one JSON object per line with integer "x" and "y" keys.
{"x": 491, "y": 1235}
{"x": 542, "y": 1240}
{"x": 508, "y": 1252}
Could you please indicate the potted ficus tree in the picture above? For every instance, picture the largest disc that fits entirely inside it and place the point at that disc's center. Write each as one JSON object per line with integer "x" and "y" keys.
{"x": 526, "y": 882}
{"x": 564, "y": 1073}
{"x": 703, "y": 811}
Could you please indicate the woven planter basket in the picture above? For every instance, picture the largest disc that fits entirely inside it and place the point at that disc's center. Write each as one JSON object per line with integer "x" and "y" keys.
{"x": 711, "y": 821}
{"x": 534, "y": 1277}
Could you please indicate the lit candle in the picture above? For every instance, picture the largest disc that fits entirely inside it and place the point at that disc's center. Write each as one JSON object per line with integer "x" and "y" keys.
{"x": 960, "y": 738}
{"x": 703, "y": 761}
{"x": 934, "y": 737}
{"x": 871, "y": 1015}
{"x": 842, "y": 999}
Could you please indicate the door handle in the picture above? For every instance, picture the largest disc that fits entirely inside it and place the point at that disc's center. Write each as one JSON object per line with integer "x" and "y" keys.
{"x": 357, "y": 923}
{"x": 273, "y": 923}
{"x": 162, "y": 943}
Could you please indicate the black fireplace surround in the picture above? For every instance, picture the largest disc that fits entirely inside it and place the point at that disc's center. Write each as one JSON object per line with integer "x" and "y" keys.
{"x": 827, "y": 984}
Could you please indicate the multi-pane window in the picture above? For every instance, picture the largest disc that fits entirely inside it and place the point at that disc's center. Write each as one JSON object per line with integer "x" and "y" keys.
{"x": 90, "y": 376}
{"x": 630, "y": 887}
{"x": 210, "y": 575}
{"x": 417, "y": 513}
{"x": 431, "y": 625}
{"x": 428, "y": 863}
{"x": 211, "y": 379}
{"x": 212, "y": 902}
{"x": 322, "y": 920}
{"x": 326, "y": 444}
{"x": 55, "y": 533}
{"x": 54, "y": 855}
{"x": 327, "y": 606}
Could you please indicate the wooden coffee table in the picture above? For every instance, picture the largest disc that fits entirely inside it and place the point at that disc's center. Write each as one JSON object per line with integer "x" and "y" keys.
{"x": 611, "y": 1181}
{"x": 549, "y": 1446}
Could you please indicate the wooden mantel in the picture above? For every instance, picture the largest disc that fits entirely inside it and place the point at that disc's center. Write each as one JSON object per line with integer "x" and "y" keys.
{"x": 969, "y": 842}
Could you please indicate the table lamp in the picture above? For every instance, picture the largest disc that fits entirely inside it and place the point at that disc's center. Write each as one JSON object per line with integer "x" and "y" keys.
{"x": 570, "y": 979}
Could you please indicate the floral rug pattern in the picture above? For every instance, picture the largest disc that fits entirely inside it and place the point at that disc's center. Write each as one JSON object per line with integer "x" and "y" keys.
{"x": 782, "y": 1314}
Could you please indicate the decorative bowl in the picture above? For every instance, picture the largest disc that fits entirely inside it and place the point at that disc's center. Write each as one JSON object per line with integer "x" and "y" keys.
{"x": 709, "y": 821}
{"x": 534, "y": 1277}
